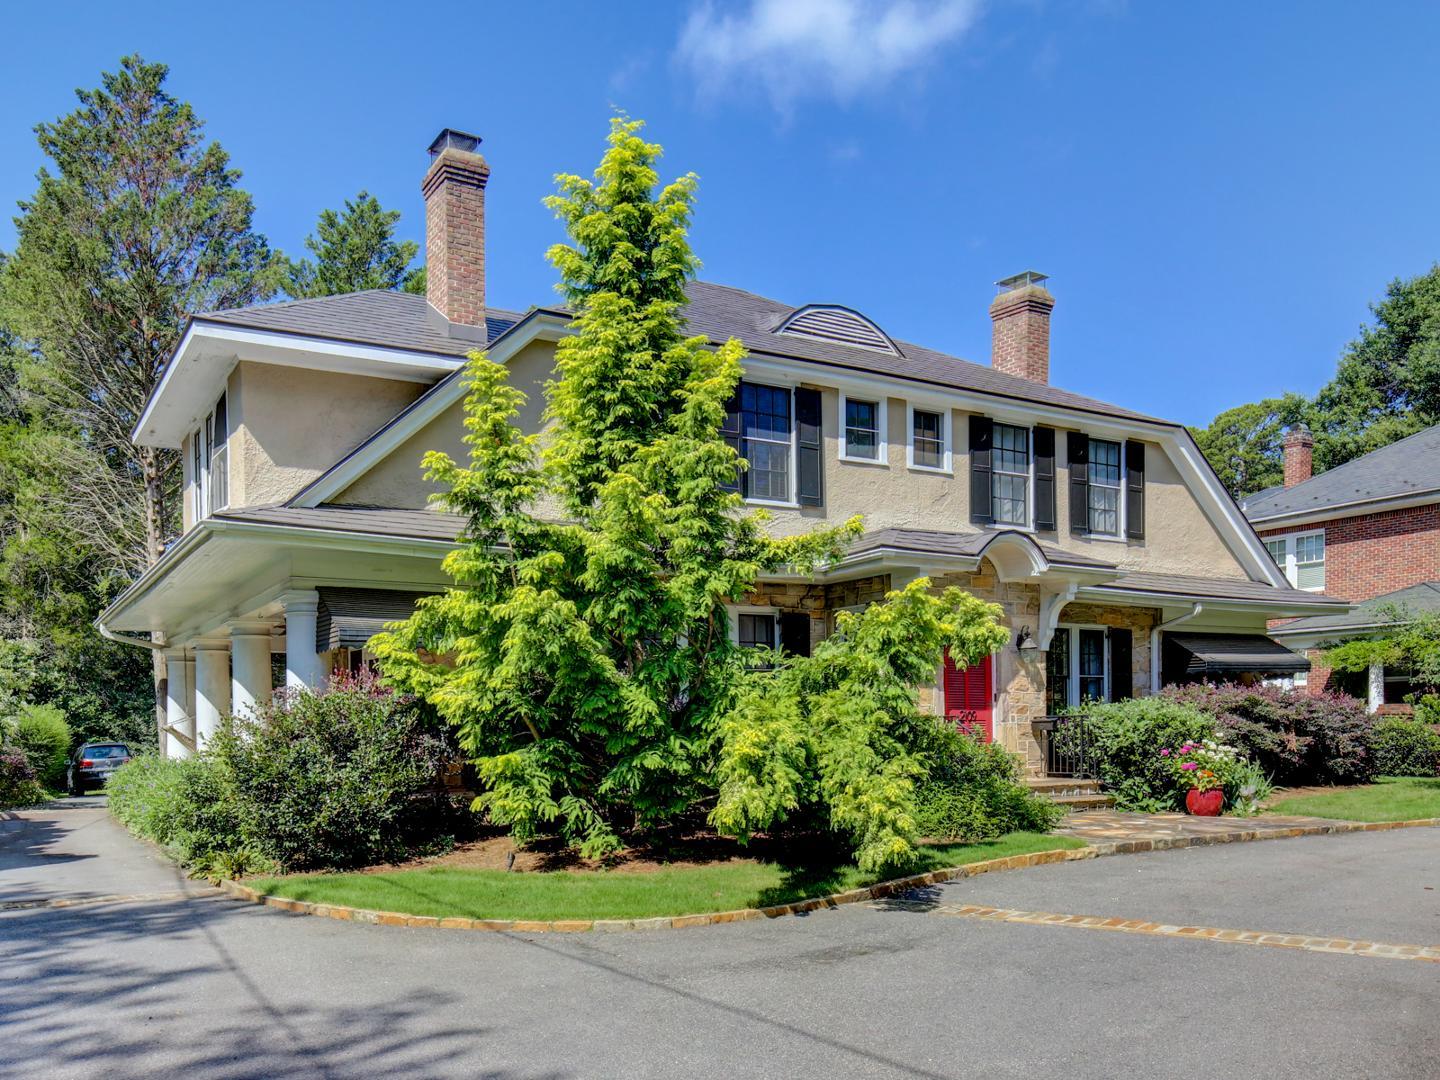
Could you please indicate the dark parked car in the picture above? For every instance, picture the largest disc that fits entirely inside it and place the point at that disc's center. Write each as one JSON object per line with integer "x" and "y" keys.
{"x": 92, "y": 764}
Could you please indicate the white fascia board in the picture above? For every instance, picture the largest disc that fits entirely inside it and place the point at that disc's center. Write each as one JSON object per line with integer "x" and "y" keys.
{"x": 1355, "y": 508}
{"x": 1274, "y": 609}
{"x": 180, "y": 399}
{"x": 423, "y": 411}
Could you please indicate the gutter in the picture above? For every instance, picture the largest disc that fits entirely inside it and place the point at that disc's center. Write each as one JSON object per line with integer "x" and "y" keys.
{"x": 1155, "y": 642}
{"x": 126, "y": 639}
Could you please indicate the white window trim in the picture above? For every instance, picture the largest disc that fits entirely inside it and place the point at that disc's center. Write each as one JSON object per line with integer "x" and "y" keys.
{"x": 1072, "y": 687}
{"x": 751, "y": 609}
{"x": 1122, "y": 518}
{"x": 947, "y": 457}
{"x": 1291, "y": 566}
{"x": 882, "y": 410}
{"x": 790, "y": 502}
{"x": 1029, "y": 525}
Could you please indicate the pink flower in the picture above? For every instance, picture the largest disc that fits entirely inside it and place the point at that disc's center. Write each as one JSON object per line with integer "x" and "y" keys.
{"x": 1165, "y": 752}
{"x": 1188, "y": 765}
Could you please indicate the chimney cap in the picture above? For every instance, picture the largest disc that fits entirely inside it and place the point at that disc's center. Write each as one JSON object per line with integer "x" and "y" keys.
{"x": 1299, "y": 433}
{"x": 1022, "y": 279}
{"x": 454, "y": 139}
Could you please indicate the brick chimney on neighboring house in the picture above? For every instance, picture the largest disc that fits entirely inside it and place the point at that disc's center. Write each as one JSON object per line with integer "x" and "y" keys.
{"x": 1299, "y": 455}
{"x": 454, "y": 190}
{"x": 1020, "y": 344}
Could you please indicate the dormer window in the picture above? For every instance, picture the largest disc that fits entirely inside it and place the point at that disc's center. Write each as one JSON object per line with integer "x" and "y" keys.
{"x": 210, "y": 462}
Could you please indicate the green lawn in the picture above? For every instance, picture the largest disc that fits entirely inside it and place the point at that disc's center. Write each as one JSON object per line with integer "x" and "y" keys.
{"x": 1390, "y": 798}
{"x": 495, "y": 894}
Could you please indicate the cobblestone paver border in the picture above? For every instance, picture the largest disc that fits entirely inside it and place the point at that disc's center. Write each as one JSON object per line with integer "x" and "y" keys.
{"x": 1344, "y": 946}
{"x": 110, "y": 898}
{"x": 855, "y": 896}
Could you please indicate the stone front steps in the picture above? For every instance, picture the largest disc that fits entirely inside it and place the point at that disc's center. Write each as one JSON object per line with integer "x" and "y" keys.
{"x": 1074, "y": 794}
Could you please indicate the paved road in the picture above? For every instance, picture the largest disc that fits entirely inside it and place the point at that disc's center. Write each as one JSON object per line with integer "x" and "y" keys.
{"x": 210, "y": 987}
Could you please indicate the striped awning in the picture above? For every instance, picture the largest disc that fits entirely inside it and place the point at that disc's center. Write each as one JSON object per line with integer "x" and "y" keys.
{"x": 348, "y": 618}
{"x": 1230, "y": 654}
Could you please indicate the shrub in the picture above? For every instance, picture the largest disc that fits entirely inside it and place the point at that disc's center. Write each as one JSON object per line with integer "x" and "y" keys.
{"x": 973, "y": 791}
{"x": 1405, "y": 747}
{"x": 346, "y": 777}
{"x": 1247, "y": 786}
{"x": 44, "y": 736}
{"x": 1295, "y": 738}
{"x": 1427, "y": 707}
{"x": 18, "y": 783}
{"x": 1122, "y": 742}
{"x": 183, "y": 804}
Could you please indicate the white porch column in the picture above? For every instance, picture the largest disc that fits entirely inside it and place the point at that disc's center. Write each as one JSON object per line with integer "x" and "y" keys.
{"x": 1377, "y": 686}
{"x": 304, "y": 668}
{"x": 250, "y": 679}
{"x": 177, "y": 708}
{"x": 212, "y": 687}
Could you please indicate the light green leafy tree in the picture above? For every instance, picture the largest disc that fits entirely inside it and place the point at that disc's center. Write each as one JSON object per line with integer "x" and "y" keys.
{"x": 584, "y": 653}
{"x": 837, "y": 739}
{"x": 1412, "y": 644}
{"x": 355, "y": 249}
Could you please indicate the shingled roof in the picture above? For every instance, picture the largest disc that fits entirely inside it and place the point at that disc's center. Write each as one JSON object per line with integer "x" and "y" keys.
{"x": 719, "y": 312}
{"x": 1408, "y": 467}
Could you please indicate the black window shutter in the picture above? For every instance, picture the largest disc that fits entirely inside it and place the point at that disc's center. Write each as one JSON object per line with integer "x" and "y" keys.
{"x": 1134, "y": 489}
{"x": 730, "y": 431}
{"x": 1077, "y": 449}
{"x": 795, "y": 633}
{"x": 982, "y": 431}
{"x": 1122, "y": 673}
{"x": 810, "y": 474}
{"x": 1044, "y": 440}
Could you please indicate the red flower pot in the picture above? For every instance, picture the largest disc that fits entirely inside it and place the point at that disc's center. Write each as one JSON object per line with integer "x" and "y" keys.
{"x": 1204, "y": 803}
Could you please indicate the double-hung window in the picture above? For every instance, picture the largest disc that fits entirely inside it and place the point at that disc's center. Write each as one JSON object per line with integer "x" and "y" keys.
{"x": 1105, "y": 483}
{"x": 767, "y": 441}
{"x": 864, "y": 423}
{"x": 929, "y": 439}
{"x": 1302, "y": 557}
{"x": 210, "y": 462}
{"x": 1010, "y": 476}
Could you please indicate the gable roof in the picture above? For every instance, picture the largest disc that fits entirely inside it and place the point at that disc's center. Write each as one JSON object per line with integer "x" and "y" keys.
{"x": 1406, "y": 468}
{"x": 372, "y": 317}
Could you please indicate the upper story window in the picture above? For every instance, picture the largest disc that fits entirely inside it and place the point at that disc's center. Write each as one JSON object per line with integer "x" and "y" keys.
{"x": 767, "y": 439}
{"x": 864, "y": 434}
{"x": 1010, "y": 479}
{"x": 210, "y": 462}
{"x": 1302, "y": 557}
{"x": 929, "y": 439}
{"x": 1105, "y": 482}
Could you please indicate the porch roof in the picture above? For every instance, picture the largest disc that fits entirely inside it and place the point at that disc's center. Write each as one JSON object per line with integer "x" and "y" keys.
{"x": 1232, "y": 654}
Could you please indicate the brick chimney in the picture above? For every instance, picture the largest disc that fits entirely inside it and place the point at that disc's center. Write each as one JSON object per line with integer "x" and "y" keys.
{"x": 1020, "y": 343}
{"x": 1299, "y": 455}
{"x": 454, "y": 190}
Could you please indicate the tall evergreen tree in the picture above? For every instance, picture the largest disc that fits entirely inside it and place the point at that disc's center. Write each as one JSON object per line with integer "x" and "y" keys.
{"x": 1243, "y": 444}
{"x": 355, "y": 249}
{"x": 136, "y": 221}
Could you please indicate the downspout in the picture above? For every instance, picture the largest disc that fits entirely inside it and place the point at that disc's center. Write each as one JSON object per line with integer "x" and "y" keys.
{"x": 1155, "y": 643}
{"x": 123, "y": 639}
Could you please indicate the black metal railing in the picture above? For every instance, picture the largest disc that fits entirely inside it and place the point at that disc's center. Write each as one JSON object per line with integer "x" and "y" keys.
{"x": 1062, "y": 739}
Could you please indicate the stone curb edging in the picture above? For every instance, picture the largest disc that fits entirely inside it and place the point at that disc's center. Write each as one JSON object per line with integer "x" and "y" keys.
{"x": 854, "y": 896}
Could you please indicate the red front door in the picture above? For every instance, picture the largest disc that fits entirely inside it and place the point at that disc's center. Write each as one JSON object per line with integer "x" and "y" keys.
{"x": 970, "y": 696}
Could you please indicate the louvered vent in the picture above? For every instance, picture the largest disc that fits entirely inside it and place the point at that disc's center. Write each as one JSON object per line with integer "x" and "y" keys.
{"x": 826, "y": 322}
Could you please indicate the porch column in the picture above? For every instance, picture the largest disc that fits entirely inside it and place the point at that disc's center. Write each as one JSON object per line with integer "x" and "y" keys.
{"x": 304, "y": 668}
{"x": 177, "y": 710}
{"x": 1377, "y": 686}
{"x": 212, "y": 688}
{"x": 251, "y": 680}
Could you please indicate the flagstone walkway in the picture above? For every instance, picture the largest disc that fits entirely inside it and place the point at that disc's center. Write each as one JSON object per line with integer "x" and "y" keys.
{"x": 1181, "y": 830}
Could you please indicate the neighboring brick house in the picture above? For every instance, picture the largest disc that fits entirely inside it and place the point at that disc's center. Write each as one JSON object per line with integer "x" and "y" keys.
{"x": 1119, "y": 560}
{"x": 1368, "y": 532}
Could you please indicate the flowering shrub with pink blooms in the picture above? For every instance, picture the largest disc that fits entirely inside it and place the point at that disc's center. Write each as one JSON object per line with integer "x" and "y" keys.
{"x": 1203, "y": 765}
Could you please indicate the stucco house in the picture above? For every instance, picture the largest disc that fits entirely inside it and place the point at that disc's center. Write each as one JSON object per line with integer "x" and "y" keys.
{"x": 1119, "y": 559}
{"x": 1368, "y": 532}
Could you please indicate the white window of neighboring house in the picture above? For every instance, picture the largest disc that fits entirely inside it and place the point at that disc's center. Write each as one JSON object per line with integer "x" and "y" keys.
{"x": 864, "y": 429}
{"x": 767, "y": 442}
{"x": 210, "y": 462}
{"x": 929, "y": 442}
{"x": 1302, "y": 557}
{"x": 1077, "y": 667}
{"x": 1010, "y": 475}
{"x": 1106, "y": 477}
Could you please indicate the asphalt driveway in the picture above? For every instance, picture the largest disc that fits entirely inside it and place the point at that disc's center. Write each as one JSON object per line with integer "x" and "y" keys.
{"x": 211, "y": 987}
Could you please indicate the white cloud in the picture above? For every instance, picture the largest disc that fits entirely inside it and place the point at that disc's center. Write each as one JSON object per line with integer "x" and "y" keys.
{"x": 796, "y": 49}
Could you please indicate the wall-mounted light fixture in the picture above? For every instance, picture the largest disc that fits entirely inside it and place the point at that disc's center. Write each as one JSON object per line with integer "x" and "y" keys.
{"x": 1024, "y": 642}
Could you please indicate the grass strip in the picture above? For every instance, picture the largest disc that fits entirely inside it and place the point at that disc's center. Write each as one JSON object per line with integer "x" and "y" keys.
{"x": 1390, "y": 798}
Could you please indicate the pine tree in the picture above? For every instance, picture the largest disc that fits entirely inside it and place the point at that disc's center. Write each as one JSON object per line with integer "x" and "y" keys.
{"x": 355, "y": 249}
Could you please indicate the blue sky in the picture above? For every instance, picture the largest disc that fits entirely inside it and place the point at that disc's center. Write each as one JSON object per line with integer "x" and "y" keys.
{"x": 1217, "y": 190}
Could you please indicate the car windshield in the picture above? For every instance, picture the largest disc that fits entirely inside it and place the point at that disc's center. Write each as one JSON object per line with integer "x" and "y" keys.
{"x": 108, "y": 751}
